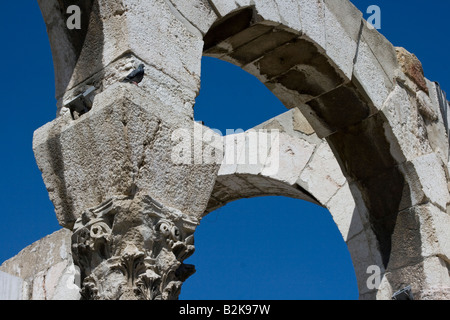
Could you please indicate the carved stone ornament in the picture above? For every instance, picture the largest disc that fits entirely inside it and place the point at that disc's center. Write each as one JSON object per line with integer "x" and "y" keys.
{"x": 133, "y": 248}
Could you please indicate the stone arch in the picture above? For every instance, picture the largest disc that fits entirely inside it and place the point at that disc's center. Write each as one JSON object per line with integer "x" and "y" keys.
{"x": 307, "y": 171}
{"x": 344, "y": 77}
{"x": 369, "y": 100}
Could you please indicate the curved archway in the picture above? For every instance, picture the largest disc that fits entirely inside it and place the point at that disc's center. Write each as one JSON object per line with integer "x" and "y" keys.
{"x": 302, "y": 73}
{"x": 318, "y": 57}
{"x": 276, "y": 217}
{"x": 270, "y": 248}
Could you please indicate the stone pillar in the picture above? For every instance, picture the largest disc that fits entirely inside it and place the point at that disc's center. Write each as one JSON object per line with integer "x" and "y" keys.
{"x": 111, "y": 173}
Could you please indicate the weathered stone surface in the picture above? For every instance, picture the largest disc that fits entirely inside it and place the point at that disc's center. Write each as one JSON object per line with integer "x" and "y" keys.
{"x": 412, "y": 67}
{"x": 427, "y": 181}
{"x": 382, "y": 171}
{"x": 429, "y": 279}
{"x": 118, "y": 148}
{"x": 199, "y": 13}
{"x": 371, "y": 74}
{"x": 345, "y": 213}
{"x": 10, "y": 287}
{"x": 434, "y": 226}
{"x": 312, "y": 16}
{"x": 364, "y": 253}
{"x": 46, "y": 269}
{"x": 63, "y": 45}
{"x": 383, "y": 50}
{"x": 406, "y": 123}
{"x": 322, "y": 186}
{"x": 343, "y": 24}
{"x": 285, "y": 162}
{"x": 300, "y": 123}
{"x": 133, "y": 249}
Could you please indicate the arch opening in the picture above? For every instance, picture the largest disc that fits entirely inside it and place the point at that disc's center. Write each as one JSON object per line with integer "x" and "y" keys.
{"x": 294, "y": 253}
{"x": 303, "y": 75}
{"x": 268, "y": 197}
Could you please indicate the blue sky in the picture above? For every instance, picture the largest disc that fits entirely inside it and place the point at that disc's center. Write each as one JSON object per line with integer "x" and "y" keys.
{"x": 262, "y": 248}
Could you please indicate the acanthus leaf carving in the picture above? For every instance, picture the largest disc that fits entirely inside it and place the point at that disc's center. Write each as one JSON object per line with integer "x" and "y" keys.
{"x": 133, "y": 248}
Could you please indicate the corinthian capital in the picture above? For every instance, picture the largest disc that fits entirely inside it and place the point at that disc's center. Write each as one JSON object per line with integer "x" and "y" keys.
{"x": 133, "y": 248}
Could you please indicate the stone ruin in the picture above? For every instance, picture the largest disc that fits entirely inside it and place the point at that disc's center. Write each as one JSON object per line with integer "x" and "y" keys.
{"x": 365, "y": 136}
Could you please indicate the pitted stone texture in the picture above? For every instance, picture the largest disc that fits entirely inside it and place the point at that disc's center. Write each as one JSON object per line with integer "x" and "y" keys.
{"x": 116, "y": 28}
{"x": 343, "y": 23}
{"x": 318, "y": 57}
{"x": 412, "y": 67}
{"x": 407, "y": 125}
{"x": 199, "y": 13}
{"x": 371, "y": 72}
{"x": 427, "y": 181}
{"x": 364, "y": 252}
{"x": 133, "y": 249}
{"x": 123, "y": 145}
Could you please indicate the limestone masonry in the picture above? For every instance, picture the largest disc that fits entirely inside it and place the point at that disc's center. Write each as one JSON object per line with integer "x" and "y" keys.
{"x": 365, "y": 136}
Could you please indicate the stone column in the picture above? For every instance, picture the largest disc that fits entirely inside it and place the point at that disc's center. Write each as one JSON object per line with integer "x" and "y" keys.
{"x": 112, "y": 173}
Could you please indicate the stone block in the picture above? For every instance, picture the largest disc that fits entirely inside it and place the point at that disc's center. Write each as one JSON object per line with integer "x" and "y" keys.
{"x": 176, "y": 50}
{"x": 312, "y": 16}
{"x": 234, "y": 146}
{"x": 10, "y": 287}
{"x": 287, "y": 158}
{"x": 421, "y": 232}
{"x": 412, "y": 68}
{"x": 406, "y": 124}
{"x": 364, "y": 253}
{"x": 289, "y": 11}
{"x": 123, "y": 143}
{"x": 254, "y": 150}
{"x": 353, "y": 107}
{"x": 300, "y": 67}
{"x": 117, "y": 29}
{"x": 382, "y": 49}
{"x": 429, "y": 279}
{"x": 406, "y": 240}
{"x": 199, "y": 13}
{"x": 343, "y": 24}
{"x": 369, "y": 71}
{"x": 437, "y": 278}
{"x": 258, "y": 47}
{"x": 46, "y": 268}
{"x": 426, "y": 181}
{"x": 63, "y": 52}
{"x": 56, "y": 283}
{"x": 434, "y": 227}
{"x": 322, "y": 177}
{"x": 345, "y": 213}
